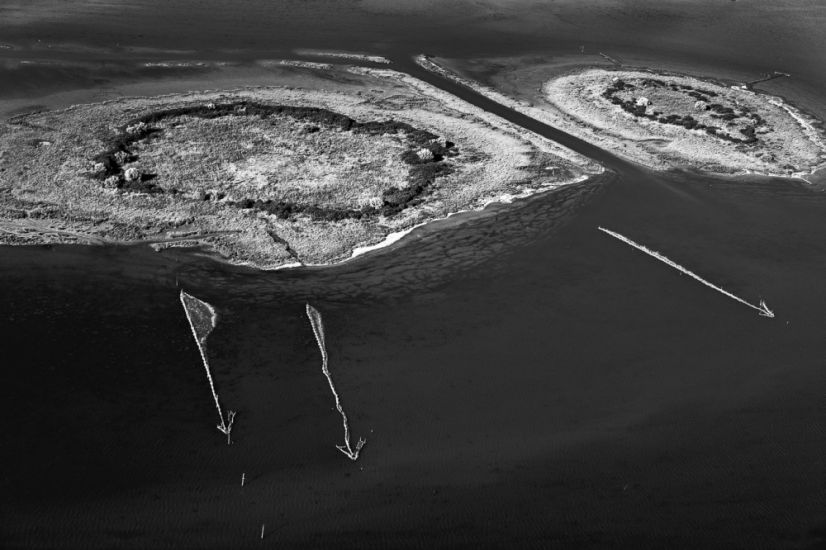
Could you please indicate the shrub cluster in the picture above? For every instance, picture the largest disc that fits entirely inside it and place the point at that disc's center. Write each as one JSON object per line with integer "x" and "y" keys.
{"x": 422, "y": 175}
{"x": 423, "y": 171}
{"x": 686, "y": 121}
{"x": 117, "y": 154}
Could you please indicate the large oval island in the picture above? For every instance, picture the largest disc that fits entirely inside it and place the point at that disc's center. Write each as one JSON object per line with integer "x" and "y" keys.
{"x": 269, "y": 176}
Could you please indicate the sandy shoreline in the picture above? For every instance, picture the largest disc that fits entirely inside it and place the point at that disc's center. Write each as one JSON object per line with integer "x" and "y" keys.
{"x": 523, "y": 381}
{"x": 526, "y": 164}
{"x": 559, "y": 108}
{"x": 395, "y": 237}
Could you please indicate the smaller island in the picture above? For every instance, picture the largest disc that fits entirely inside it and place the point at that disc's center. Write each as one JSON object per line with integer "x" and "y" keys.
{"x": 668, "y": 120}
{"x": 660, "y": 119}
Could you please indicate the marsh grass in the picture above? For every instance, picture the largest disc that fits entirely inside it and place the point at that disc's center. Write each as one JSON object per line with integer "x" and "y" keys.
{"x": 282, "y": 160}
{"x": 201, "y": 150}
{"x": 690, "y": 123}
{"x": 273, "y": 159}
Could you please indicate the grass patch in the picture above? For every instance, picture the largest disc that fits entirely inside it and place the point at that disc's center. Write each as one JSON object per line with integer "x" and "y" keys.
{"x": 686, "y": 106}
{"x": 283, "y": 160}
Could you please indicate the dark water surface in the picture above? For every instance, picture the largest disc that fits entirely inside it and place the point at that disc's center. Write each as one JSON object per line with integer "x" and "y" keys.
{"x": 522, "y": 379}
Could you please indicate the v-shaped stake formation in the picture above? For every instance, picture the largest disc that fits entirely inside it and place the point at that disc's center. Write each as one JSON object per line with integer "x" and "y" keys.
{"x": 202, "y": 320}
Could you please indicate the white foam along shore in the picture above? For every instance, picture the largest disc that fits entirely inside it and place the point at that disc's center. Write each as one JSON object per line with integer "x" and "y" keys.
{"x": 584, "y": 169}
{"x": 396, "y": 236}
{"x": 355, "y": 56}
{"x": 626, "y": 148}
{"x": 503, "y": 198}
{"x": 806, "y": 123}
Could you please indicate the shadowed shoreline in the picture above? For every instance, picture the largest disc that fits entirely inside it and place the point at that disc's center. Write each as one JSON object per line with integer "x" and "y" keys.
{"x": 523, "y": 380}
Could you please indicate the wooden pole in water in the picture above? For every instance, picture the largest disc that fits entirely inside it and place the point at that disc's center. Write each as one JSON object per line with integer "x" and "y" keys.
{"x": 762, "y": 308}
{"x": 318, "y": 330}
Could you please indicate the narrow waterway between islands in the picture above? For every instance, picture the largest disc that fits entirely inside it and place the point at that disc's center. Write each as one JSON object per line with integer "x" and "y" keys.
{"x": 520, "y": 377}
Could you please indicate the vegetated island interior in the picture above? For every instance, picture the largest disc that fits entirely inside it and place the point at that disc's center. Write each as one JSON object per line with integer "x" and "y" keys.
{"x": 269, "y": 176}
{"x": 662, "y": 120}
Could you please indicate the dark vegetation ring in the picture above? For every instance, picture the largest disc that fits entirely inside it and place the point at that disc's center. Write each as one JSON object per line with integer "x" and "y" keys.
{"x": 687, "y": 121}
{"x": 422, "y": 174}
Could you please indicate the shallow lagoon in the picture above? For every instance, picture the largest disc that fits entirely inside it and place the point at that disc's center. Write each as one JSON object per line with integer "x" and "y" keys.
{"x": 520, "y": 377}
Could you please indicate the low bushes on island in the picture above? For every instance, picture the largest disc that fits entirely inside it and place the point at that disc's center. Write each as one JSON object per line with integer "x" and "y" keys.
{"x": 716, "y": 110}
{"x": 426, "y": 155}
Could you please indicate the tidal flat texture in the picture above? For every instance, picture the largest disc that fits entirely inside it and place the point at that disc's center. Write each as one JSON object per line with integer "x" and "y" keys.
{"x": 267, "y": 176}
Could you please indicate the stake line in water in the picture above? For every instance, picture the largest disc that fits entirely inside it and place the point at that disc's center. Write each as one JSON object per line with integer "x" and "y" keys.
{"x": 224, "y": 427}
{"x": 318, "y": 331}
{"x": 201, "y": 350}
{"x": 763, "y": 309}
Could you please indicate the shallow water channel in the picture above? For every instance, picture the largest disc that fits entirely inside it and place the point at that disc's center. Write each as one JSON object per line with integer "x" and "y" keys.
{"x": 520, "y": 377}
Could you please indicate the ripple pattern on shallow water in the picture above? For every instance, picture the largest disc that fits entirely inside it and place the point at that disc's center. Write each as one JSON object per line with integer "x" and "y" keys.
{"x": 422, "y": 260}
